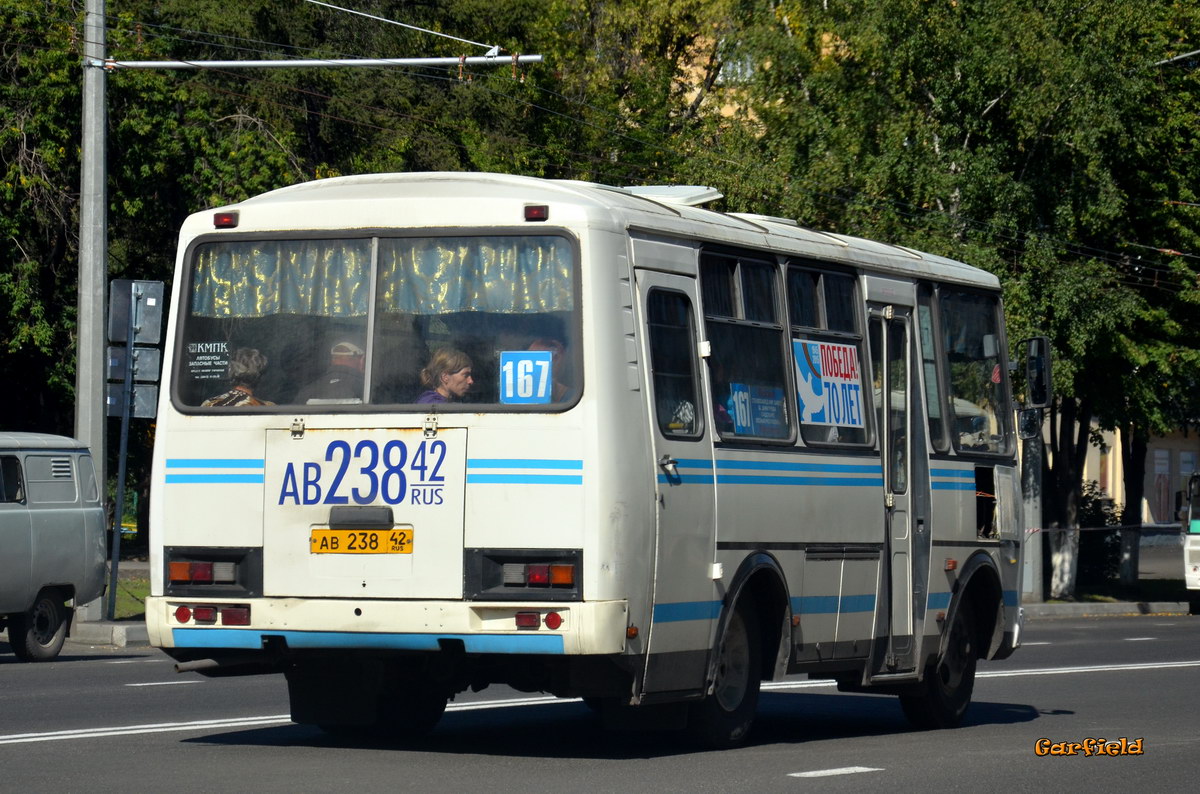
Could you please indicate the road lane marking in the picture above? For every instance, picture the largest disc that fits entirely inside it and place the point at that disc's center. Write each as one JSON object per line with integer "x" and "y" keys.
{"x": 167, "y": 683}
{"x": 845, "y": 770}
{"x": 278, "y": 719}
{"x": 1029, "y": 644}
{"x": 130, "y": 730}
{"x": 1140, "y": 639}
{"x": 136, "y": 661}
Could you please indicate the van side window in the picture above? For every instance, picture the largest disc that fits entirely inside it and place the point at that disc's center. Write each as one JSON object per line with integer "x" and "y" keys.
{"x": 827, "y": 352}
{"x": 50, "y": 479}
{"x": 741, "y": 321}
{"x": 12, "y": 484}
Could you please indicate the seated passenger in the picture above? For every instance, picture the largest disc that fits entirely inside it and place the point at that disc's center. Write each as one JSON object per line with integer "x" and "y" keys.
{"x": 343, "y": 381}
{"x": 246, "y": 367}
{"x": 561, "y": 392}
{"x": 447, "y": 377}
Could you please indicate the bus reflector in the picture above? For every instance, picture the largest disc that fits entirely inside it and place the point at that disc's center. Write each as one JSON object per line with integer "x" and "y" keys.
{"x": 235, "y": 616}
{"x": 553, "y": 620}
{"x": 205, "y": 614}
{"x": 951, "y": 564}
{"x": 183, "y": 614}
{"x": 528, "y": 620}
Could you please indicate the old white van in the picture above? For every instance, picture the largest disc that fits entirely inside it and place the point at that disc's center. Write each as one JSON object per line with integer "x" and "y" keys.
{"x": 52, "y": 536}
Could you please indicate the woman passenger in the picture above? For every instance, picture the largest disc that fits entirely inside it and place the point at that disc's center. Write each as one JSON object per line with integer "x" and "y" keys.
{"x": 447, "y": 377}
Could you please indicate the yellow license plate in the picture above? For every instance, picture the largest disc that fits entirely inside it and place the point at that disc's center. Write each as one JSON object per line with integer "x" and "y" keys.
{"x": 361, "y": 541}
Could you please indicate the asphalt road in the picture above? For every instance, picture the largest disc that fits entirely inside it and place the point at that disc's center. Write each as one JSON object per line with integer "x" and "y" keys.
{"x": 104, "y": 720}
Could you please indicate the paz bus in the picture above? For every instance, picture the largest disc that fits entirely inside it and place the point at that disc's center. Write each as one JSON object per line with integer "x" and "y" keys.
{"x": 429, "y": 432}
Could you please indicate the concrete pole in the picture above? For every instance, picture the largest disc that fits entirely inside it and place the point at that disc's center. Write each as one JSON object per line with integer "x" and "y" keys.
{"x": 90, "y": 346}
{"x": 1032, "y": 450}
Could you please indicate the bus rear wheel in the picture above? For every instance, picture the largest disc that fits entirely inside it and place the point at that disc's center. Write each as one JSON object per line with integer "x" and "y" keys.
{"x": 943, "y": 696}
{"x": 723, "y": 718}
{"x": 38, "y": 634}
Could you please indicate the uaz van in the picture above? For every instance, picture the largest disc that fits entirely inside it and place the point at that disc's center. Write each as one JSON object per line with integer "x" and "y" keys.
{"x": 51, "y": 539}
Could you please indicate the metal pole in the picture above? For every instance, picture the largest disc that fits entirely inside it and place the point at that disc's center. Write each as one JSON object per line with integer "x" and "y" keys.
{"x": 474, "y": 60}
{"x": 135, "y": 293}
{"x": 90, "y": 413}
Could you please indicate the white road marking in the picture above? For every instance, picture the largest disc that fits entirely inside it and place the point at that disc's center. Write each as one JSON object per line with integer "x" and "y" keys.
{"x": 168, "y": 683}
{"x": 136, "y": 661}
{"x": 1029, "y": 644}
{"x": 845, "y": 770}
{"x": 1140, "y": 639}
{"x": 279, "y": 719}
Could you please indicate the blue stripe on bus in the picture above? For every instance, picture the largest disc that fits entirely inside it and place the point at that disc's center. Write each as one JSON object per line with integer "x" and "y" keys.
{"x": 215, "y": 478}
{"x": 1012, "y": 598}
{"x": 763, "y": 479}
{"x": 831, "y": 604}
{"x": 827, "y": 468}
{"x": 941, "y": 485}
{"x": 216, "y": 463}
{"x": 815, "y": 605}
{"x": 525, "y": 479}
{"x": 473, "y": 643}
{"x": 968, "y": 474}
{"x": 686, "y": 610}
{"x": 689, "y": 479}
{"x": 522, "y": 463}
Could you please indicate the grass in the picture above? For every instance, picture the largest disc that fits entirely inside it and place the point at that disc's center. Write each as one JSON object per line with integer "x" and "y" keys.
{"x": 131, "y": 598}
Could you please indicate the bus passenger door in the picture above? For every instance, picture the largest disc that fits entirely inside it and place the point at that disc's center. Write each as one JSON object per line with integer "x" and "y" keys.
{"x": 898, "y": 402}
{"x": 686, "y": 601}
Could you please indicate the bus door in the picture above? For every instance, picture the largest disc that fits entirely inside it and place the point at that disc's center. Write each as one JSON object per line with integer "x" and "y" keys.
{"x": 898, "y": 402}
{"x": 1191, "y": 535}
{"x": 686, "y": 601}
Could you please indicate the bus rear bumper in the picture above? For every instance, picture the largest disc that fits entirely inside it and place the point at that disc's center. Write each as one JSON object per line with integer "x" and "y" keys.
{"x": 583, "y": 628}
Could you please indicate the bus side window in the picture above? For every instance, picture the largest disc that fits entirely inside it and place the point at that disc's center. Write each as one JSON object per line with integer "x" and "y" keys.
{"x": 741, "y": 322}
{"x": 673, "y": 364}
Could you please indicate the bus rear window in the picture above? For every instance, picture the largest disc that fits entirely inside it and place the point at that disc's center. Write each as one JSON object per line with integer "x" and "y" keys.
{"x": 441, "y": 323}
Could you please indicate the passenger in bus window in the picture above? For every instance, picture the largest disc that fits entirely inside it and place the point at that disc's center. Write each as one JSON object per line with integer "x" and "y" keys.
{"x": 447, "y": 377}
{"x": 246, "y": 367}
{"x": 343, "y": 381}
{"x": 561, "y": 391}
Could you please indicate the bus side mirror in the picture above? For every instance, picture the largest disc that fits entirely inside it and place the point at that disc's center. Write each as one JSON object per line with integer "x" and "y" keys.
{"x": 1038, "y": 392}
{"x": 1029, "y": 423}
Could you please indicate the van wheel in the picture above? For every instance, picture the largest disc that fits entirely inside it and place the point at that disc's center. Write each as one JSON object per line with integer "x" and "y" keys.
{"x": 723, "y": 718}
{"x": 38, "y": 635}
{"x": 942, "y": 698}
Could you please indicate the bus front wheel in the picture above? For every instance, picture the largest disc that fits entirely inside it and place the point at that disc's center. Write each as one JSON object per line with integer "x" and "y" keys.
{"x": 942, "y": 697}
{"x": 723, "y": 718}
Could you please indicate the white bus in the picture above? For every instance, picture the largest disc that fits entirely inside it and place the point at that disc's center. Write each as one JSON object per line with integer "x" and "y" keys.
{"x": 430, "y": 432}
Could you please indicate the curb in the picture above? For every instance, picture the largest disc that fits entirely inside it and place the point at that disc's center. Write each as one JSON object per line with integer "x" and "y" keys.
{"x": 117, "y": 634}
{"x": 1112, "y": 609}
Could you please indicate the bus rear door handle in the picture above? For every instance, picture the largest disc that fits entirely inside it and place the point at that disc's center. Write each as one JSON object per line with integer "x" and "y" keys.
{"x": 669, "y": 465}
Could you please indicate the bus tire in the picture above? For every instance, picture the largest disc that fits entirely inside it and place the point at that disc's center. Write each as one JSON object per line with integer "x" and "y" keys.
{"x": 724, "y": 717}
{"x": 411, "y": 715}
{"x": 38, "y": 634}
{"x": 942, "y": 697}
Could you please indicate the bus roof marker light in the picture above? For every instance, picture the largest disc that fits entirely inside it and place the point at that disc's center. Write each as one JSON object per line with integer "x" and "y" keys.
{"x": 225, "y": 220}
{"x": 537, "y": 212}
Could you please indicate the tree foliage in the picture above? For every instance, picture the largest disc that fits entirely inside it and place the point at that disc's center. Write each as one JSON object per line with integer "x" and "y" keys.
{"x": 1045, "y": 141}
